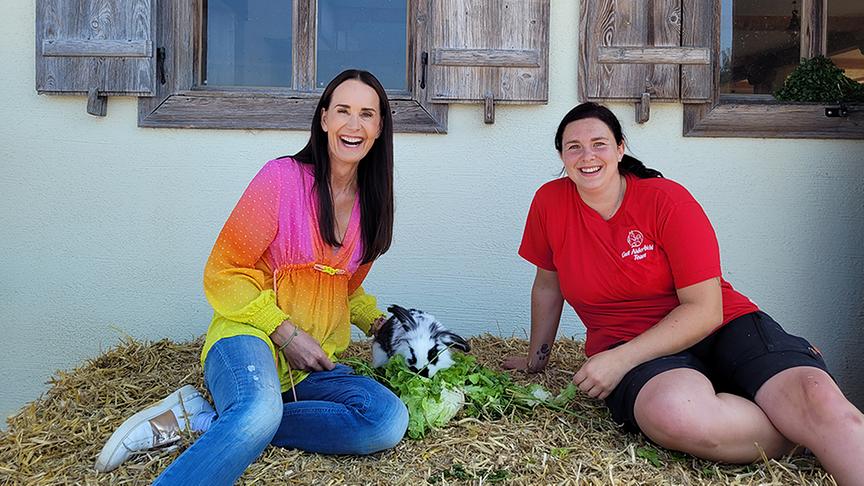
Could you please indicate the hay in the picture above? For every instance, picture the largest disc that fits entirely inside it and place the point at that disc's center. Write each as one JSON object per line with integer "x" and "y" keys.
{"x": 55, "y": 440}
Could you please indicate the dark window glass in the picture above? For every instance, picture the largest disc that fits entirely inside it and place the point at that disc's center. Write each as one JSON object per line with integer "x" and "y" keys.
{"x": 846, "y": 36}
{"x": 364, "y": 34}
{"x": 759, "y": 44}
{"x": 248, "y": 43}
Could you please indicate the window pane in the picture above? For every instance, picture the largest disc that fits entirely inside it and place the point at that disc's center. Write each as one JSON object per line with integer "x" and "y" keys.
{"x": 759, "y": 44}
{"x": 846, "y": 36}
{"x": 248, "y": 43}
{"x": 364, "y": 34}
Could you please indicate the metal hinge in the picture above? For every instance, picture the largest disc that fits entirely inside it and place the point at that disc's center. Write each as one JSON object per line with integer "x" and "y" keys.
{"x": 841, "y": 111}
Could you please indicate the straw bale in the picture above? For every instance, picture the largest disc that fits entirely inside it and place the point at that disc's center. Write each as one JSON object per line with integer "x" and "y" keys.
{"x": 55, "y": 439}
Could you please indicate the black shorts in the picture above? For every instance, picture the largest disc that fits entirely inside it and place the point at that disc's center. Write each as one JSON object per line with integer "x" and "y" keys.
{"x": 738, "y": 358}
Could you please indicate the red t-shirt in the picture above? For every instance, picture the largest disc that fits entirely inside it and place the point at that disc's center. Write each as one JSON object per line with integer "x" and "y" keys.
{"x": 620, "y": 275}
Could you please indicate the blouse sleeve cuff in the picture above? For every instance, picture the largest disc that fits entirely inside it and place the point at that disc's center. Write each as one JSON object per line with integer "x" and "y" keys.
{"x": 268, "y": 318}
{"x": 364, "y": 310}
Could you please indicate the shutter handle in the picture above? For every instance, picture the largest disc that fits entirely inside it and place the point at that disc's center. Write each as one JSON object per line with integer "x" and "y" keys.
{"x": 424, "y": 61}
{"x": 160, "y": 64}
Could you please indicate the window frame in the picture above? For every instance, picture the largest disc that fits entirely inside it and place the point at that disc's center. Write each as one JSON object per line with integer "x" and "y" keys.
{"x": 180, "y": 101}
{"x": 762, "y": 116}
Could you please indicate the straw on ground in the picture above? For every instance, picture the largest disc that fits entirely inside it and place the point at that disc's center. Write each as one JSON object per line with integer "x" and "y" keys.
{"x": 55, "y": 440}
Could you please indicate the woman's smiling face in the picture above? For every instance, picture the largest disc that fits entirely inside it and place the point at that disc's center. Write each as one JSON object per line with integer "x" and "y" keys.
{"x": 352, "y": 121}
{"x": 591, "y": 155}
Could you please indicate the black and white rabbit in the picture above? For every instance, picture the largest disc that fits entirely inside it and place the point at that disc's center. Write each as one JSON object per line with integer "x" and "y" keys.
{"x": 419, "y": 338}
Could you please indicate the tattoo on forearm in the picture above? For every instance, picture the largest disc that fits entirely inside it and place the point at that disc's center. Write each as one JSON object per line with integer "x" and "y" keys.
{"x": 543, "y": 352}
{"x": 541, "y": 356}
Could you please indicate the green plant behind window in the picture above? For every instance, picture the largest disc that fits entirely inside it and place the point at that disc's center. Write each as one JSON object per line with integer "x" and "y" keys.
{"x": 819, "y": 79}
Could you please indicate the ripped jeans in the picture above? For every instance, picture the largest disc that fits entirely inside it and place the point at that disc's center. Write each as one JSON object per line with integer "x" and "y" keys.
{"x": 336, "y": 412}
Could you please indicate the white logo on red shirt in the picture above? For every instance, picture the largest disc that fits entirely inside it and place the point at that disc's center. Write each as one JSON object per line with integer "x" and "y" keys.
{"x": 635, "y": 239}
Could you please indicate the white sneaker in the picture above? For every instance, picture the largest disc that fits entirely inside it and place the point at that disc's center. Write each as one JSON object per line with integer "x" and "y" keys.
{"x": 155, "y": 426}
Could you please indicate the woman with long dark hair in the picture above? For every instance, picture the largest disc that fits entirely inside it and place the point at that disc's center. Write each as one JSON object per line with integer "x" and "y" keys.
{"x": 284, "y": 279}
{"x": 673, "y": 349}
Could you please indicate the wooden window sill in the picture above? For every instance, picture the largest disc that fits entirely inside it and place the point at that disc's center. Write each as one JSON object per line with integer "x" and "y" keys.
{"x": 760, "y": 118}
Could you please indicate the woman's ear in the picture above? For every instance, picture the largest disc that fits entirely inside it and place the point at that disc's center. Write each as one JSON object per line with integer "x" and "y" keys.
{"x": 620, "y": 151}
{"x": 324, "y": 119}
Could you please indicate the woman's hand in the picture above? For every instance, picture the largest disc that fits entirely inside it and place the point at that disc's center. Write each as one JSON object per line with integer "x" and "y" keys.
{"x": 303, "y": 352}
{"x": 518, "y": 363}
{"x": 601, "y": 373}
{"x": 700, "y": 312}
{"x": 377, "y": 324}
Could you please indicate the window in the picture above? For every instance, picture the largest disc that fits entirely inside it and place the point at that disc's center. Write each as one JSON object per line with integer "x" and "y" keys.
{"x": 246, "y": 43}
{"x": 723, "y": 70}
{"x": 373, "y": 31}
{"x": 262, "y": 64}
{"x": 845, "y": 36}
{"x": 250, "y": 42}
{"x": 760, "y": 44}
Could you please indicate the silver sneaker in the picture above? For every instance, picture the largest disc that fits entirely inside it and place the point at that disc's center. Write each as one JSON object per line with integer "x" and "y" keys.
{"x": 155, "y": 426}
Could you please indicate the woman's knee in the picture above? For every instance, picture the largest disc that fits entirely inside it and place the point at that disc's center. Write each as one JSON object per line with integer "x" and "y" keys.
{"x": 386, "y": 422}
{"x": 393, "y": 428}
{"x": 824, "y": 405}
{"x": 805, "y": 399}
{"x": 255, "y": 418}
{"x": 674, "y": 422}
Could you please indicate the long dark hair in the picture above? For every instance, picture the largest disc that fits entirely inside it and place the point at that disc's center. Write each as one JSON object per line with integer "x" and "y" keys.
{"x": 374, "y": 174}
{"x": 628, "y": 164}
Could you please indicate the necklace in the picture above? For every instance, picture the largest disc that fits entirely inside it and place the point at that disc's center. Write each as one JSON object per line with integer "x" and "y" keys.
{"x": 621, "y": 188}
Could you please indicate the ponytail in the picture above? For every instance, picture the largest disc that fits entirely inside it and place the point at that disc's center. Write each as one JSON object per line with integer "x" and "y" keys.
{"x": 632, "y": 165}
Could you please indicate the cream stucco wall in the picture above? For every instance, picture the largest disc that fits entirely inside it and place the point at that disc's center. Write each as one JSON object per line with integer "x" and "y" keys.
{"x": 105, "y": 227}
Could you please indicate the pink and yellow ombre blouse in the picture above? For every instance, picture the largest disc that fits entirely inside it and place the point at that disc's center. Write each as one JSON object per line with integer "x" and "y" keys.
{"x": 270, "y": 263}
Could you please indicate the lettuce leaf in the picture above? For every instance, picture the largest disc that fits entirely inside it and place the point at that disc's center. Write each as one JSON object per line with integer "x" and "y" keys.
{"x": 465, "y": 387}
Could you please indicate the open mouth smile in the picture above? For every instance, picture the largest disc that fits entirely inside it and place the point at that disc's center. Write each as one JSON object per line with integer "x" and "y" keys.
{"x": 351, "y": 141}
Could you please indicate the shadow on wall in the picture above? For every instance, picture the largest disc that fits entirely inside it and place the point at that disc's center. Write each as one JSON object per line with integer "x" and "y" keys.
{"x": 851, "y": 364}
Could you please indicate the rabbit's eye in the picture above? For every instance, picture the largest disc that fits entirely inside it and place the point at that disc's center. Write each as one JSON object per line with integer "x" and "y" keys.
{"x": 432, "y": 355}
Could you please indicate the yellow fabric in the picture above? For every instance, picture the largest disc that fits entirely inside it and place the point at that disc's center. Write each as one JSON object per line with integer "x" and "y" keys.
{"x": 270, "y": 264}
{"x": 361, "y": 310}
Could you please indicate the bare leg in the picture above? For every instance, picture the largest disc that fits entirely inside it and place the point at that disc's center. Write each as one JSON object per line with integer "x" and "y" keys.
{"x": 680, "y": 410}
{"x": 805, "y": 404}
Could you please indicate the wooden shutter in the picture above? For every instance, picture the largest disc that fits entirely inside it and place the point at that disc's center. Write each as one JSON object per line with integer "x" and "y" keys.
{"x": 489, "y": 52}
{"x": 637, "y": 50}
{"x": 95, "y": 47}
{"x": 699, "y": 22}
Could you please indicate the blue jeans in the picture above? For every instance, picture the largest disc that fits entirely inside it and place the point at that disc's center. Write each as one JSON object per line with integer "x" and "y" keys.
{"x": 337, "y": 412}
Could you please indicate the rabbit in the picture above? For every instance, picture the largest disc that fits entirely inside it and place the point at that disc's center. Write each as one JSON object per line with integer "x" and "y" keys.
{"x": 419, "y": 338}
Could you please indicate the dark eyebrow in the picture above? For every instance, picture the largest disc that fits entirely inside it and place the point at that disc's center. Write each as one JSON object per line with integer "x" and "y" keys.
{"x": 343, "y": 105}
{"x": 595, "y": 139}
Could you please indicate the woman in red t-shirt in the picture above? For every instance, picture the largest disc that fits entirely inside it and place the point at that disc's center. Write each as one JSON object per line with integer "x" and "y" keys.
{"x": 673, "y": 349}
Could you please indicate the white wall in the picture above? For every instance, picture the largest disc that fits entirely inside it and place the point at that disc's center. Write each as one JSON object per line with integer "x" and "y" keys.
{"x": 105, "y": 227}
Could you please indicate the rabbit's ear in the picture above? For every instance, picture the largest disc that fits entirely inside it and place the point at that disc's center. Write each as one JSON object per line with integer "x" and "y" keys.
{"x": 453, "y": 340}
{"x": 403, "y": 315}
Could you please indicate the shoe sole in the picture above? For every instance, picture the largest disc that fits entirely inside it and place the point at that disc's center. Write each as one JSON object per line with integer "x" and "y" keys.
{"x": 115, "y": 443}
